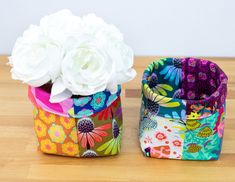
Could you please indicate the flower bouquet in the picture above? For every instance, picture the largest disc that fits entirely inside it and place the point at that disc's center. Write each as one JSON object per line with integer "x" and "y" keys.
{"x": 183, "y": 109}
{"x": 74, "y": 67}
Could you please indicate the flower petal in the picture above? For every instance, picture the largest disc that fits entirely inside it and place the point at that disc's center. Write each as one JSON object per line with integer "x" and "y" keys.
{"x": 90, "y": 139}
{"x": 105, "y": 145}
{"x": 104, "y": 127}
{"x": 59, "y": 92}
{"x": 84, "y": 141}
{"x": 101, "y": 133}
{"x": 96, "y": 137}
{"x": 125, "y": 76}
{"x": 80, "y": 135}
{"x": 109, "y": 148}
{"x": 115, "y": 147}
{"x": 112, "y": 87}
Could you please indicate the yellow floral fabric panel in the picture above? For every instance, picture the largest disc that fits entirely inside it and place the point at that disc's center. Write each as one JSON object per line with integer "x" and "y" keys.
{"x": 56, "y": 134}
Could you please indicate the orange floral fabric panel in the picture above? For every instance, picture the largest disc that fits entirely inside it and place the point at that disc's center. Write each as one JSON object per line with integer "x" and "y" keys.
{"x": 56, "y": 134}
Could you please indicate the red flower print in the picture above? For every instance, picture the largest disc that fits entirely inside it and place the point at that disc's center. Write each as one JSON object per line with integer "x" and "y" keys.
{"x": 192, "y": 62}
{"x": 219, "y": 127}
{"x": 106, "y": 113}
{"x": 160, "y": 136}
{"x": 88, "y": 133}
{"x": 222, "y": 98}
{"x": 212, "y": 83}
{"x": 98, "y": 100}
{"x": 202, "y": 76}
{"x": 191, "y": 94}
{"x": 204, "y": 62}
{"x": 148, "y": 139}
{"x": 177, "y": 143}
{"x": 161, "y": 152}
{"x": 216, "y": 93}
{"x": 212, "y": 67}
{"x": 191, "y": 78}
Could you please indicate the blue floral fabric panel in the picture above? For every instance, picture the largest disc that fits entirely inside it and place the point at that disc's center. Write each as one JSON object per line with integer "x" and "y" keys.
{"x": 164, "y": 78}
{"x": 170, "y": 73}
{"x": 89, "y": 105}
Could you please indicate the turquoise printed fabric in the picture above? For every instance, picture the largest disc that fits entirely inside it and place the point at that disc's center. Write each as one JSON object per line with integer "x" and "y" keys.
{"x": 167, "y": 73}
{"x": 88, "y": 105}
{"x": 203, "y": 138}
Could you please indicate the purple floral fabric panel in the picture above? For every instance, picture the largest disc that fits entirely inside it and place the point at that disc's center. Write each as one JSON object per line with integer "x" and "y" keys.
{"x": 203, "y": 86}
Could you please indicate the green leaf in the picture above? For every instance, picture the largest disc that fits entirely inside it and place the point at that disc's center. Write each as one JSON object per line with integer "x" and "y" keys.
{"x": 157, "y": 63}
{"x": 170, "y": 104}
{"x": 161, "y": 91}
{"x": 165, "y": 86}
{"x": 115, "y": 147}
{"x": 161, "y": 62}
{"x": 104, "y": 146}
{"x": 164, "y": 100}
{"x": 110, "y": 147}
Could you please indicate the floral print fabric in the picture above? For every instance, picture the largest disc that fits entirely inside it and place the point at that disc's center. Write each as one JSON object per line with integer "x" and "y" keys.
{"x": 203, "y": 85}
{"x": 183, "y": 109}
{"x": 162, "y": 97}
{"x": 203, "y": 141}
{"x": 96, "y": 135}
{"x": 84, "y": 106}
{"x": 165, "y": 140}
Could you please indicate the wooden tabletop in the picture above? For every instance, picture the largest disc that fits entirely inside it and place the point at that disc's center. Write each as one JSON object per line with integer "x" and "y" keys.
{"x": 21, "y": 161}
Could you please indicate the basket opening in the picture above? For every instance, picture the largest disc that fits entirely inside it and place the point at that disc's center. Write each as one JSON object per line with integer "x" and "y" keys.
{"x": 48, "y": 86}
{"x": 187, "y": 78}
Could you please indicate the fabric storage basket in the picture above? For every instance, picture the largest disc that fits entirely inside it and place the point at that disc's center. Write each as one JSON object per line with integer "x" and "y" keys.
{"x": 183, "y": 109}
{"x": 87, "y": 126}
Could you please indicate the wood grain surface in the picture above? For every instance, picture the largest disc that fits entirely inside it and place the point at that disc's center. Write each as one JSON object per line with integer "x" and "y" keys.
{"x": 21, "y": 161}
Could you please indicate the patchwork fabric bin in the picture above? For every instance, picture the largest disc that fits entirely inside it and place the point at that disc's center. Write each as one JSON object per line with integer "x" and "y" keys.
{"x": 183, "y": 109}
{"x": 86, "y": 126}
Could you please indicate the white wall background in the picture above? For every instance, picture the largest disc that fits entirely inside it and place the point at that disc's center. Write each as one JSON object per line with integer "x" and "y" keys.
{"x": 151, "y": 27}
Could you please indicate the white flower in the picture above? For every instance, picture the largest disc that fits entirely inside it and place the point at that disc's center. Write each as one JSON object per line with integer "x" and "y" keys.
{"x": 60, "y": 25}
{"x": 96, "y": 60}
{"x": 79, "y": 56}
{"x": 86, "y": 69}
{"x": 120, "y": 53}
{"x": 35, "y": 59}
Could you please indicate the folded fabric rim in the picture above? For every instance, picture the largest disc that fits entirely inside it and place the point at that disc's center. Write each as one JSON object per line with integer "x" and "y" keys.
{"x": 82, "y": 106}
{"x": 188, "y": 65}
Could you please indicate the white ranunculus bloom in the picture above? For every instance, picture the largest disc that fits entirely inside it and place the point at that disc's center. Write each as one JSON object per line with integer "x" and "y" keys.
{"x": 35, "y": 59}
{"x": 120, "y": 53}
{"x": 113, "y": 43}
{"x": 91, "y": 24}
{"x": 79, "y": 56}
{"x": 61, "y": 25}
{"x": 90, "y": 68}
{"x": 95, "y": 60}
{"x": 86, "y": 69}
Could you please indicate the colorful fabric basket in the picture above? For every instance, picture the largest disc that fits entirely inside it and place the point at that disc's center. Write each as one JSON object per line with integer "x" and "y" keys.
{"x": 86, "y": 126}
{"x": 183, "y": 109}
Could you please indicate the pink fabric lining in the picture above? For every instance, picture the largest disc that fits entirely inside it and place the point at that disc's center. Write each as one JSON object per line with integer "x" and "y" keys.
{"x": 40, "y": 98}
